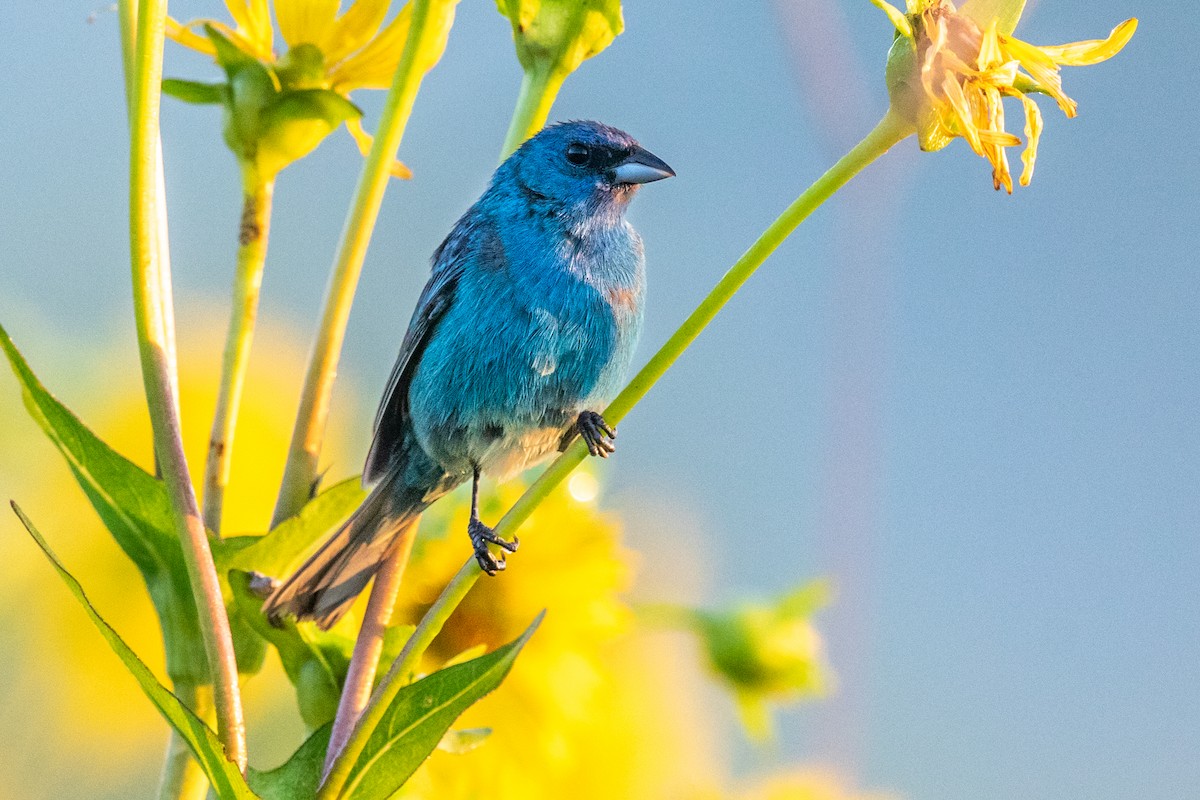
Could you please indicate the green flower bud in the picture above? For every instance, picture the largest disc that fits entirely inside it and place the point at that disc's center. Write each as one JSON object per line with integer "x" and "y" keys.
{"x": 559, "y": 35}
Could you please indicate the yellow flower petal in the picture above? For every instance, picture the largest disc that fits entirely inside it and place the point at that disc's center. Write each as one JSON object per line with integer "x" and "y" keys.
{"x": 1082, "y": 54}
{"x": 305, "y": 21}
{"x": 962, "y": 113}
{"x": 1042, "y": 69}
{"x": 354, "y": 29}
{"x": 364, "y": 141}
{"x": 372, "y": 67}
{"x": 1001, "y": 174}
{"x": 184, "y": 35}
{"x": 1033, "y": 132}
{"x": 253, "y": 20}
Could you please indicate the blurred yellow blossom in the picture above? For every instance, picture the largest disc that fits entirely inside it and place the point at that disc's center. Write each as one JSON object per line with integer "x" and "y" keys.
{"x": 949, "y": 70}
{"x": 796, "y": 785}
{"x": 594, "y": 710}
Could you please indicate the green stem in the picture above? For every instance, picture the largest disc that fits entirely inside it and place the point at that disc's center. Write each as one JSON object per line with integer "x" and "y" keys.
{"x": 182, "y": 777}
{"x": 890, "y": 130}
{"x": 146, "y": 246}
{"x": 364, "y": 662}
{"x": 252, "y": 254}
{"x": 539, "y": 88}
{"x": 127, "y": 15}
{"x": 430, "y": 21}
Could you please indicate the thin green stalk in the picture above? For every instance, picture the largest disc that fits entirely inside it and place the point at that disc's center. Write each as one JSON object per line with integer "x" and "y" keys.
{"x": 154, "y": 342}
{"x": 539, "y": 88}
{"x": 364, "y": 662}
{"x": 127, "y": 15}
{"x": 430, "y": 20}
{"x": 890, "y": 130}
{"x": 182, "y": 778}
{"x": 252, "y": 254}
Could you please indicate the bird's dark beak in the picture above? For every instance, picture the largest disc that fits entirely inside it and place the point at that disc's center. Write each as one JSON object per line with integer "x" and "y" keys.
{"x": 641, "y": 166}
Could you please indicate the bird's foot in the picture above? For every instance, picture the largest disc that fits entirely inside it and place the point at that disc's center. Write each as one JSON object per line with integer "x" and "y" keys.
{"x": 481, "y": 535}
{"x": 596, "y": 433}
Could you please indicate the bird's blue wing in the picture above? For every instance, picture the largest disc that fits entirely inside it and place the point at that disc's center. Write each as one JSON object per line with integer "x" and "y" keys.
{"x": 391, "y": 421}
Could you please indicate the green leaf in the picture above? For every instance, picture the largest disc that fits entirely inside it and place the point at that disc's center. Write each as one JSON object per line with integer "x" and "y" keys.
{"x": 419, "y": 717}
{"x": 135, "y": 508}
{"x": 226, "y": 781}
{"x": 295, "y": 122}
{"x": 282, "y": 550}
{"x": 315, "y": 661}
{"x": 560, "y": 35}
{"x": 195, "y": 91}
{"x": 228, "y": 55}
{"x": 297, "y": 778}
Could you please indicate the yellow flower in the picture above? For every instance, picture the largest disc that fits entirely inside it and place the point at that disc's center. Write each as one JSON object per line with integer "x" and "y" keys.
{"x": 949, "y": 70}
{"x": 324, "y": 49}
{"x": 593, "y": 709}
{"x": 356, "y": 53}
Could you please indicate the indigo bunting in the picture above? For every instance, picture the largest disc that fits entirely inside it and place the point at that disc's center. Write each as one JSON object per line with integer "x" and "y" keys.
{"x": 526, "y": 326}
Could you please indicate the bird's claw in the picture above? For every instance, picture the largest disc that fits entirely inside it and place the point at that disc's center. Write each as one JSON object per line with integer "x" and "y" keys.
{"x": 481, "y": 535}
{"x": 596, "y": 434}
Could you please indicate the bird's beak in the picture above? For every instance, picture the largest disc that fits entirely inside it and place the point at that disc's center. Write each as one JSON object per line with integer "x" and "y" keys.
{"x": 641, "y": 166}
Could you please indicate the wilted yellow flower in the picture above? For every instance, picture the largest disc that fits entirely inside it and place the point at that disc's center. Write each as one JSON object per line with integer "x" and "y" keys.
{"x": 949, "y": 70}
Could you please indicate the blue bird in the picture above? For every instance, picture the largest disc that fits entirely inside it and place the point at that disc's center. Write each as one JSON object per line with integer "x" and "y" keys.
{"x": 526, "y": 327}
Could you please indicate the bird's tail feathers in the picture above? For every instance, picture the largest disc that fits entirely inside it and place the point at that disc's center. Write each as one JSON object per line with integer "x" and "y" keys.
{"x": 325, "y": 586}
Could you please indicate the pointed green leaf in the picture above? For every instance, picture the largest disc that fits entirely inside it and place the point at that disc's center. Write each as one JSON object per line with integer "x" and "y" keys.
{"x": 229, "y": 55}
{"x": 194, "y": 91}
{"x": 223, "y": 774}
{"x": 299, "y": 776}
{"x": 295, "y": 122}
{"x": 282, "y": 550}
{"x": 419, "y": 717}
{"x": 135, "y": 508}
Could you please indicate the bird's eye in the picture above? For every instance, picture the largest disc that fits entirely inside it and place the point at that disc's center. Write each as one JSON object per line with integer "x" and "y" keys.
{"x": 578, "y": 154}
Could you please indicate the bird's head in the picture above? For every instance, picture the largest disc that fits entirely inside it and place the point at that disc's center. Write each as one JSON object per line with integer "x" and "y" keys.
{"x": 583, "y": 164}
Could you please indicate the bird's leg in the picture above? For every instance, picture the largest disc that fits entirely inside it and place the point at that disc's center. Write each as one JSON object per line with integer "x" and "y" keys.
{"x": 595, "y": 432}
{"x": 481, "y": 535}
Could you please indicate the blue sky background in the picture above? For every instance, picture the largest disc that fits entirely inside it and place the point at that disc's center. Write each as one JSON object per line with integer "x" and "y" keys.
{"x": 976, "y": 413}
